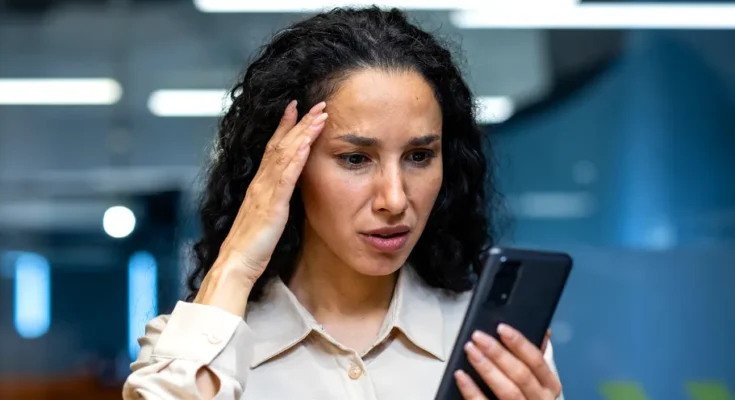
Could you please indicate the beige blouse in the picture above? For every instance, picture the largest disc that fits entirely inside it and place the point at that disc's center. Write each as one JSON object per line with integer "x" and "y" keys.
{"x": 280, "y": 352}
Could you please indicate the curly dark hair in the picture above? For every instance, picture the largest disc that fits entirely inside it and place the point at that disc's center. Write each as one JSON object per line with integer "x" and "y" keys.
{"x": 307, "y": 61}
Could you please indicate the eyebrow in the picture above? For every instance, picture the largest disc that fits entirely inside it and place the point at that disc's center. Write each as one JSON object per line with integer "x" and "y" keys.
{"x": 424, "y": 140}
{"x": 363, "y": 141}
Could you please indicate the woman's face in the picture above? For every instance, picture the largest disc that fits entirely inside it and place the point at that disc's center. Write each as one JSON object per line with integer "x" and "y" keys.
{"x": 374, "y": 173}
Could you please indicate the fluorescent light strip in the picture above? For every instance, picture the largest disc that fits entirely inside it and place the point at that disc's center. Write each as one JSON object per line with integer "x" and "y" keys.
{"x": 599, "y": 16}
{"x": 553, "y": 205}
{"x": 212, "y": 103}
{"x": 188, "y": 103}
{"x": 251, "y": 6}
{"x": 520, "y": 14}
{"x": 92, "y": 91}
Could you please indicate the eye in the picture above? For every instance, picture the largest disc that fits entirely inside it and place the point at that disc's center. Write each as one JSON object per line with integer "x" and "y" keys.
{"x": 421, "y": 157}
{"x": 418, "y": 156}
{"x": 353, "y": 160}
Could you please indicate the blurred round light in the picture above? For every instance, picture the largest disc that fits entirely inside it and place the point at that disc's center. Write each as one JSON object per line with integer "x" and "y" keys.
{"x": 561, "y": 332}
{"x": 118, "y": 221}
{"x": 584, "y": 172}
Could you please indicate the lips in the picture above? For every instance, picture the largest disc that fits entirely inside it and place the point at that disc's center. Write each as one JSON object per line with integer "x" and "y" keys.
{"x": 387, "y": 239}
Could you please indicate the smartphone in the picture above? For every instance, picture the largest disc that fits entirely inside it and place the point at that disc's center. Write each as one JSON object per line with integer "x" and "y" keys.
{"x": 518, "y": 287}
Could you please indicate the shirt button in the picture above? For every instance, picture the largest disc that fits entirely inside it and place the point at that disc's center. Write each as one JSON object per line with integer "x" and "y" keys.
{"x": 354, "y": 372}
{"x": 214, "y": 339}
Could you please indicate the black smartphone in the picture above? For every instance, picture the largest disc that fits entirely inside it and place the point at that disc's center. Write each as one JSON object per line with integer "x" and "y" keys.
{"x": 518, "y": 287}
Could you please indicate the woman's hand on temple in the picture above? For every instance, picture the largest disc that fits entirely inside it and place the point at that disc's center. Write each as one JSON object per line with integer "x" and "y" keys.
{"x": 262, "y": 217}
{"x": 518, "y": 372}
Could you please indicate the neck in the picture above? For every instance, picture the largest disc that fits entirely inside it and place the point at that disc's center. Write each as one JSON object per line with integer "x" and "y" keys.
{"x": 330, "y": 289}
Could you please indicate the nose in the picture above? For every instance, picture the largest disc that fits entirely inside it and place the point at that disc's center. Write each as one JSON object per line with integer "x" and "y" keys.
{"x": 390, "y": 195}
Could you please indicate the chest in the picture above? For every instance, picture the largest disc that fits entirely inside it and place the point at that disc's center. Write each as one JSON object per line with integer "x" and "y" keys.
{"x": 312, "y": 372}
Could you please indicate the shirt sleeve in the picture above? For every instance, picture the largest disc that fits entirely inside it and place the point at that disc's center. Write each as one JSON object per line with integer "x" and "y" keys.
{"x": 549, "y": 356}
{"x": 176, "y": 347}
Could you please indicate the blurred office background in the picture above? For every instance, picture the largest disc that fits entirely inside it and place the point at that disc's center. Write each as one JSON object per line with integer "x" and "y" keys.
{"x": 614, "y": 126}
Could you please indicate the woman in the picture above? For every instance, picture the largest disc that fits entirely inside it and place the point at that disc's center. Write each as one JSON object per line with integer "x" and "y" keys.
{"x": 340, "y": 236}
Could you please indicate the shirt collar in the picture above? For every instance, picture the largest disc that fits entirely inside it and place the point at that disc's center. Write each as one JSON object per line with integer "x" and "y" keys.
{"x": 279, "y": 321}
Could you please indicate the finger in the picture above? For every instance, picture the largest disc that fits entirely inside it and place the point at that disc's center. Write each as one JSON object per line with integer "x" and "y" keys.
{"x": 496, "y": 380}
{"x": 467, "y": 387}
{"x": 310, "y": 119}
{"x": 287, "y": 123}
{"x": 531, "y": 356}
{"x": 288, "y": 120}
{"x": 278, "y": 145}
{"x": 285, "y": 154}
{"x": 292, "y": 172}
{"x": 510, "y": 365}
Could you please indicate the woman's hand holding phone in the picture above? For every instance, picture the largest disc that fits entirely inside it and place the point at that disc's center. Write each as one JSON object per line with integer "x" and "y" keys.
{"x": 516, "y": 371}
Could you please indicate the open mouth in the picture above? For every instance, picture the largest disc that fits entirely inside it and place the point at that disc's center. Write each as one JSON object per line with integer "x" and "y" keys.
{"x": 387, "y": 240}
{"x": 390, "y": 235}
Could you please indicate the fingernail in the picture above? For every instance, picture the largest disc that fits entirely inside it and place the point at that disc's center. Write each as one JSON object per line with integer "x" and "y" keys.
{"x": 483, "y": 339}
{"x": 317, "y": 108}
{"x": 461, "y": 377}
{"x": 318, "y": 120}
{"x": 292, "y": 105}
{"x": 506, "y": 331}
{"x": 472, "y": 351}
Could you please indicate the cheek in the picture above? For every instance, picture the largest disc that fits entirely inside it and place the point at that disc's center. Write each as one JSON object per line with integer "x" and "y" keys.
{"x": 327, "y": 194}
{"x": 426, "y": 191}
{"x": 430, "y": 191}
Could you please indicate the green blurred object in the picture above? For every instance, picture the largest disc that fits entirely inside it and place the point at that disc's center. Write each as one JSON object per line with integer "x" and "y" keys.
{"x": 708, "y": 391}
{"x": 622, "y": 391}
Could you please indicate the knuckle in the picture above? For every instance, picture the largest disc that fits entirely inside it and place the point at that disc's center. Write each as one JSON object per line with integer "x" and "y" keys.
{"x": 255, "y": 187}
{"x": 272, "y": 149}
{"x": 493, "y": 352}
{"x": 281, "y": 159}
{"x": 556, "y": 390}
{"x": 522, "y": 377}
{"x": 537, "y": 362}
{"x": 306, "y": 120}
{"x": 485, "y": 368}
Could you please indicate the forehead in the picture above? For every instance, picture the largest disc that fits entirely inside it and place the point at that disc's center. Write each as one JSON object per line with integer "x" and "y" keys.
{"x": 382, "y": 103}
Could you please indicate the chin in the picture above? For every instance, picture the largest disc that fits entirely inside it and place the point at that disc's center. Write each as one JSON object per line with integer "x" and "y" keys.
{"x": 379, "y": 266}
